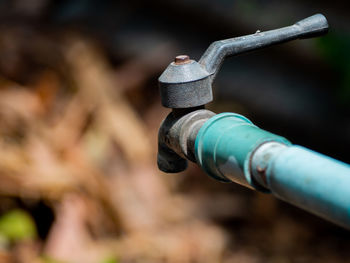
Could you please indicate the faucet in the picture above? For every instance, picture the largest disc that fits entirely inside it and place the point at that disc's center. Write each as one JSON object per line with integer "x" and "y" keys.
{"x": 230, "y": 148}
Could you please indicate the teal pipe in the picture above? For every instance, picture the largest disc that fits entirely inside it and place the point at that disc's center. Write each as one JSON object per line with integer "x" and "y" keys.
{"x": 230, "y": 148}
{"x": 312, "y": 181}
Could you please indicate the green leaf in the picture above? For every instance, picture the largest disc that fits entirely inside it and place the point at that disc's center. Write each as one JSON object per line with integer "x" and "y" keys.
{"x": 17, "y": 225}
{"x": 48, "y": 259}
{"x": 110, "y": 260}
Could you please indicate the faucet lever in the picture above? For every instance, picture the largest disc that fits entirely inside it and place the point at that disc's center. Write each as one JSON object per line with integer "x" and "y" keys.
{"x": 213, "y": 57}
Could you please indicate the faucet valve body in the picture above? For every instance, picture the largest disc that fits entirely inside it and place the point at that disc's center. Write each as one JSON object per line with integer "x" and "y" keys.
{"x": 176, "y": 138}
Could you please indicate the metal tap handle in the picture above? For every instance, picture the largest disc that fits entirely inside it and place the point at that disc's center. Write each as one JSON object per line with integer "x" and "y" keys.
{"x": 212, "y": 59}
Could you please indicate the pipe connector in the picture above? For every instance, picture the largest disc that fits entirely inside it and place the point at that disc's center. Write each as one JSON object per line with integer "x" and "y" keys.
{"x": 225, "y": 145}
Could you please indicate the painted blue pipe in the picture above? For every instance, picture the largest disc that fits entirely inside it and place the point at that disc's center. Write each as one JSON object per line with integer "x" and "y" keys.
{"x": 231, "y": 148}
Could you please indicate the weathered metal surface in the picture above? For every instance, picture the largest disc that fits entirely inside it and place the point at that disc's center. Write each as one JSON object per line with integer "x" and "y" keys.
{"x": 186, "y": 83}
{"x": 177, "y": 136}
{"x": 216, "y": 53}
{"x": 169, "y": 161}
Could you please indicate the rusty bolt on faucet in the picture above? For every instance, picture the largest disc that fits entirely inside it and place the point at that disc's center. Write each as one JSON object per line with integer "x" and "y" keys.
{"x": 182, "y": 59}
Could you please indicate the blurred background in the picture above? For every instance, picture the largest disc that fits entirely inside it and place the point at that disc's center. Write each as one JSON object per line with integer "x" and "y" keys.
{"x": 80, "y": 111}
